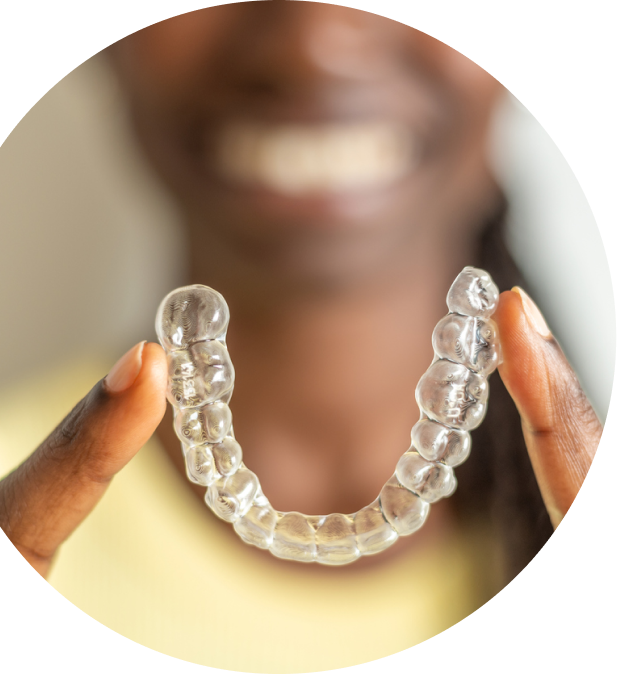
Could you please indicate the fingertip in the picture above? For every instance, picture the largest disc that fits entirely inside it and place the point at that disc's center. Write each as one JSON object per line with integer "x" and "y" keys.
{"x": 514, "y": 331}
{"x": 519, "y": 369}
{"x": 154, "y": 362}
{"x": 126, "y": 370}
{"x": 509, "y": 311}
{"x": 144, "y": 363}
{"x": 152, "y": 380}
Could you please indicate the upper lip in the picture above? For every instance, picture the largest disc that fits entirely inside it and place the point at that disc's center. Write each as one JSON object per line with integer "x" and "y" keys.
{"x": 328, "y": 100}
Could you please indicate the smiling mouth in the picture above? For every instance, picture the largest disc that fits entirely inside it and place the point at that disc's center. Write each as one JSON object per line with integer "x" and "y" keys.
{"x": 309, "y": 159}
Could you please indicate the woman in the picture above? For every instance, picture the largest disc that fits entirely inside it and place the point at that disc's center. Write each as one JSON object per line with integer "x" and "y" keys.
{"x": 331, "y": 168}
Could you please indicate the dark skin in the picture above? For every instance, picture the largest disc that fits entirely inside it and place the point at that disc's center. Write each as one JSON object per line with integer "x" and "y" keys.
{"x": 333, "y": 296}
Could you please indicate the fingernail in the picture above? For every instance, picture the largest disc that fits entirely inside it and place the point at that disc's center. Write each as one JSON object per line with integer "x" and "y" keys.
{"x": 532, "y": 313}
{"x": 124, "y": 373}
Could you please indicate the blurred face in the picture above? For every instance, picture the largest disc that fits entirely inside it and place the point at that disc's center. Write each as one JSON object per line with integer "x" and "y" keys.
{"x": 308, "y": 142}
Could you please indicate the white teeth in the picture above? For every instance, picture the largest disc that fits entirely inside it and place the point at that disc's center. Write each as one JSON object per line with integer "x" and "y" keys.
{"x": 300, "y": 159}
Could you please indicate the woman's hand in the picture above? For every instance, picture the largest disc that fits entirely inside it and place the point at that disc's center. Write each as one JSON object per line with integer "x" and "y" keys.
{"x": 47, "y": 496}
{"x": 561, "y": 429}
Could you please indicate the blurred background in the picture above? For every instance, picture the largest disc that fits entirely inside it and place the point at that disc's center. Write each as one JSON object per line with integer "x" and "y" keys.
{"x": 91, "y": 242}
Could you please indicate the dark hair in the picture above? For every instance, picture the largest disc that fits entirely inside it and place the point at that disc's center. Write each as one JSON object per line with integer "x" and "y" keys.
{"x": 498, "y": 478}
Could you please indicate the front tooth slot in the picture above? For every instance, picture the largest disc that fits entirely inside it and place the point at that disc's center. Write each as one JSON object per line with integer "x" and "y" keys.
{"x": 403, "y": 509}
{"x": 256, "y": 527}
{"x": 294, "y": 537}
{"x": 373, "y": 532}
{"x": 336, "y": 541}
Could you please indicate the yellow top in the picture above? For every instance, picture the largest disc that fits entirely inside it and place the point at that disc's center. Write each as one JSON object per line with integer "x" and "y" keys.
{"x": 155, "y": 565}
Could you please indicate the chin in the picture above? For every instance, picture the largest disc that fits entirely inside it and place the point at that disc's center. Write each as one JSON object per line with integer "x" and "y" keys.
{"x": 286, "y": 245}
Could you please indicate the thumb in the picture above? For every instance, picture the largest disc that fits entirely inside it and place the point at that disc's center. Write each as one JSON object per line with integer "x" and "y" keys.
{"x": 560, "y": 426}
{"x": 47, "y": 496}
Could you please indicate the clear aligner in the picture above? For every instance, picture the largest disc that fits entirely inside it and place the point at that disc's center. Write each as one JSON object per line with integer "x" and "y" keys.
{"x": 191, "y": 324}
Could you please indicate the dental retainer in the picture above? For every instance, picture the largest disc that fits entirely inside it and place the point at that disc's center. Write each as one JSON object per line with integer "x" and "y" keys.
{"x": 191, "y": 325}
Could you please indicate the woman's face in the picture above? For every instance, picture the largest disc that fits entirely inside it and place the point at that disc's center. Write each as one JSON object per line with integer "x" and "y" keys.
{"x": 311, "y": 141}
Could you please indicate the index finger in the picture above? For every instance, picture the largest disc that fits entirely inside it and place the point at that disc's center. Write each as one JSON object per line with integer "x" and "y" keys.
{"x": 50, "y": 493}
